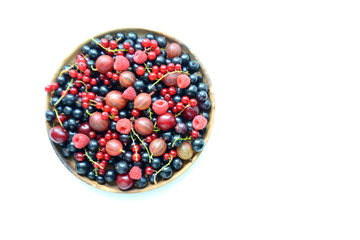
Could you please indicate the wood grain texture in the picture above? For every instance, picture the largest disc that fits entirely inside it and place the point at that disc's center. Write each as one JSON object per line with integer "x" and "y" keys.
{"x": 70, "y": 163}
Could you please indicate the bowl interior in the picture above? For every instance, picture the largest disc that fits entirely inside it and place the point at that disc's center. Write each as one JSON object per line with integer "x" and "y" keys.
{"x": 70, "y": 164}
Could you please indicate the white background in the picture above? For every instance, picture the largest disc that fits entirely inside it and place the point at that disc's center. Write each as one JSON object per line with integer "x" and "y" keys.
{"x": 283, "y": 158}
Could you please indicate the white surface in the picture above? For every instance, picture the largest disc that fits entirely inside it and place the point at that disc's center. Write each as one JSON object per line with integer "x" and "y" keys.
{"x": 283, "y": 160}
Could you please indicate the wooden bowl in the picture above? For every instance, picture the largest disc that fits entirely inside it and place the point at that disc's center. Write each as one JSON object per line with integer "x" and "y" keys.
{"x": 70, "y": 163}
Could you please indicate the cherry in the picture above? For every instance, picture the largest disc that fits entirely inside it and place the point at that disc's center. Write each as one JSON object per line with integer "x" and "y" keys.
{"x": 58, "y": 134}
{"x": 166, "y": 121}
{"x": 124, "y": 182}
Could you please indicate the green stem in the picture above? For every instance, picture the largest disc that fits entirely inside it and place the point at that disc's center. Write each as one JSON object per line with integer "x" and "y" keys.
{"x": 142, "y": 142}
{"x": 179, "y": 138}
{"x": 163, "y": 76}
{"x": 108, "y": 49}
{"x": 57, "y": 116}
{"x": 179, "y": 113}
{"x": 92, "y": 161}
{"x": 65, "y": 92}
{"x": 170, "y": 160}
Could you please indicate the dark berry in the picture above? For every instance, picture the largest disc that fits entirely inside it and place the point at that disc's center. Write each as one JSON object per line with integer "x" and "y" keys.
{"x": 110, "y": 175}
{"x": 83, "y": 168}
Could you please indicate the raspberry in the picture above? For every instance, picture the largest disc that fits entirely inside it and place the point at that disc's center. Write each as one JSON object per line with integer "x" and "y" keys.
{"x": 121, "y": 63}
{"x": 160, "y": 106}
{"x": 199, "y": 122}
{"x": 140, "y": 57}
{"x": 135, "y": 173}
{"x": 183, "y": 81}
{"x": 129, "y": 93}
{"x": 80, "y": 140}
{"x": 123, "y": 126}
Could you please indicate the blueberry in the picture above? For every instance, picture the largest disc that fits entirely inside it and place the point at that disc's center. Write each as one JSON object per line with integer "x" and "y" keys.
{"x": 191, "y": 91}
{"x": 83, "y": 167}
{"x": 122, "y": 167}
{"x": 185, "y": 58}
{"x": 139, "y": 85}
{"x": 100, "y": 179}
{"x": 203, "y": 86}
{"x": 125, "y": 138}
{"x": 68, "y": 111}
{"x": 93, "y": 53}
{"x": 50, "y": 115}
{"x": 155, "y": 163}
{"x": 177, "y": 163}
{"x": 91, "y": 175}
{"x": 120, "y": 37}
{"x": 205, "y": 106}
{"x": 93, "y": 145}
{"x": 110, "y": 175}
{"x": 152, "y": 176}
{"x": 69, "y": 99}
{"x": 177, "y": 60}
{"x": 166, "y": 172}
{"x": 161, "y": 41}
{"x": 61, "y": 80}
{"x": 132, "y": 36}
{"x": 85, "y": 49}
{"x": 198, "y": 144}
{"x": 150, "y": 36}
{"x": 78, "y": 113}
{"x": 193, "y": 65}
{"x": 160, "y": 60}
{"x": 141, "y": 183}
{"x": 202, "y": 96}
{"x": 94, "y": 43}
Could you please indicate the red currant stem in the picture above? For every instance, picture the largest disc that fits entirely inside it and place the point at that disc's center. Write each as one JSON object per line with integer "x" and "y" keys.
{"x": 92, "y": 161}
{"x": 156, "y": 128}
{"x": 87, "y": 112}
{"x": 66, "y": 70}
{"x": 92, "y": 68}
{"x": 96, "y": 171}
{"x": 86, "y": 90}
{"x": 163, "y": 76}
{"x": 142, "y": 142}
{"x": 147, "y": 68}
{"x": 179, "y": 113}
{"x": 179, "y": 138}
{"x": 57, "y": 116}
{"x": 118, "y": 39}
{"x": 65, "y": 92}
{"x": 150, "y": 112}
{"x": 170, "y": 160}
{"x": 108, "y": 49}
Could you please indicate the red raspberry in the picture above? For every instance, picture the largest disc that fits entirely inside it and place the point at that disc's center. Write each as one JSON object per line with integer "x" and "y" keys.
{"x": 199, "y": 122}
{"x": 140, "y": 57}
{"x": 80, "y": 140}
{"x": 129, "y": 93}
{"x": 121, "y": 63}
{"x": 183, "y": 81}
{"x": 160, "y": 106}
{"x": 135, "y": 173}
{"x": 123, "y": 126}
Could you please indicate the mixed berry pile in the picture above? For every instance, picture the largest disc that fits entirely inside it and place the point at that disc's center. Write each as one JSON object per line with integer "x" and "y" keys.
{"x": 130, "y": 110}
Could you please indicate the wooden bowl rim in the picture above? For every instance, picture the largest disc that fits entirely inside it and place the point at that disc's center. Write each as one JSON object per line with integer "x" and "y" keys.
{"x": 69, "y": 164}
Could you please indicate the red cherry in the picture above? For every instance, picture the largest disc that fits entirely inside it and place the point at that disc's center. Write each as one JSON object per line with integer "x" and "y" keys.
{"x": 166, "y": 121}
{"x": 124, "y": 182}
{"x": 58, "y": 134}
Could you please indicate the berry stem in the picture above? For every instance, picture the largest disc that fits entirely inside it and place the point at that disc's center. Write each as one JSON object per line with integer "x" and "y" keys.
{"x": 86, "y": 90}
{"x": 147, "y": 68}
{"x": 179, "y": 113}
{"x": 170, "y": 160}
{"x": 163, "y": 76}
{"x": 142, "y": 142}
{"x": 179, "y": 138}
{"x": 108, "y": 49}
{"x": 57, "y": 116}
{"x": 65, "y": 92}
{"x": 92, "y": 161}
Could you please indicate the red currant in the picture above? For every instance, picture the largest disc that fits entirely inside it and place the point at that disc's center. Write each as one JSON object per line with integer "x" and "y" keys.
{"x": 146, "y": 43}
{"x": 102, "y": 141}
{"x": 185, "y": 100}
{"x": 149, "y": 170}
{"x": 194, "y": 133}
{"x": 151, "y": 55}
{"x": 135, "y": 148}
{"x": 140, "y": 70}
{"x": 193, "y": 102}
{"x": 135, "y": 112}
{"x": 136, "y": 157}
{"x": 172, "y": 91}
